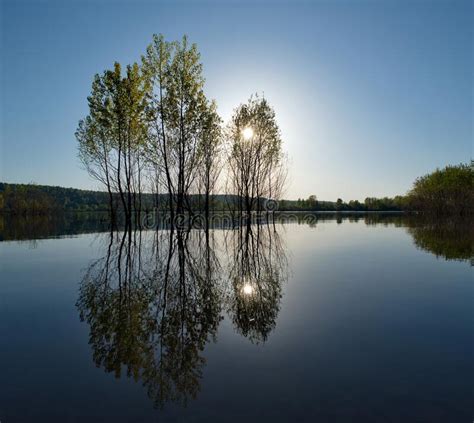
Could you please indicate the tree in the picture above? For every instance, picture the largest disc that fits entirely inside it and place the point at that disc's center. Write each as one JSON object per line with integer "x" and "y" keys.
{"x": 312, "y": 202}
{"x": 111, "y": 138}
{"x": 156, "y": 65}
{"x": 95, "y": 137}
{"x": 182, "y": 119}
{"x": 256, "y": 161}
{"x": 445, "y": 191}
{"x": 209, "y": 155}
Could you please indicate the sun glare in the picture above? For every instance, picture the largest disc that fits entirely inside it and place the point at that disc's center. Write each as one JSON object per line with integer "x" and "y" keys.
{"x": 247, "y": 133}
{"x": 247, "y": 289}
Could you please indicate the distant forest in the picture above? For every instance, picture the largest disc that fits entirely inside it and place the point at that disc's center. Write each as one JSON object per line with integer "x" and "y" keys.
{"x": 448, "y": 191}
{"x": 43, "y": 199}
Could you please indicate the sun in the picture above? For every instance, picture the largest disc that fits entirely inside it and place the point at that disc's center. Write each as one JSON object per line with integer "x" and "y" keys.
{"x": 247, "y": 289}
{"x": 247, "y": 133}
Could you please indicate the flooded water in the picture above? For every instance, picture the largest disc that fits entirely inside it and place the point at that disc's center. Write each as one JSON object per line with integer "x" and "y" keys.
{"x": 318, "y": 318}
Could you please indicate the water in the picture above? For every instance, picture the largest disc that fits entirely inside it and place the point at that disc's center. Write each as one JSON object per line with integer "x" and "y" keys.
{"x": 327, "y": 318}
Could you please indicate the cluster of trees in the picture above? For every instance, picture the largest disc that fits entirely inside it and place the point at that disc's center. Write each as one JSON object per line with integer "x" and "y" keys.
{"x": 256, "y": 163}
{"x": 32, "y": 199}
{"x": 447, "y": 191}
{"x": 26, "y": 199}
{"x": 151, "y": 128}
{"x": 397, "y": 203}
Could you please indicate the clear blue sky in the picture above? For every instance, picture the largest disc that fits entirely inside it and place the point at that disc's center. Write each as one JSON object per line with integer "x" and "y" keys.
{"x": 368, "y": 94}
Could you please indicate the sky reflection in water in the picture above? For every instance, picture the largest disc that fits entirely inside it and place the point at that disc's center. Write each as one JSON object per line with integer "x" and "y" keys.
{"x": 366, "y": 319}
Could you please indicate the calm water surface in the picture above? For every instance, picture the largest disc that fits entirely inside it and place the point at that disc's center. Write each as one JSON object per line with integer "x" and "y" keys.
{"x": 330, "y": 319}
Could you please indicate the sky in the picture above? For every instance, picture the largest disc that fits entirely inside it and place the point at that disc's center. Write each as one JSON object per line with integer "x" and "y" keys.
{"x": 368, "y": 95}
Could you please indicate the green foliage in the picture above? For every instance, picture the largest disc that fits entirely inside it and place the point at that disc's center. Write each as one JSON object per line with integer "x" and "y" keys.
{"x": 370, "y": 204}
{"x": 26, "y": 199}
{"x": 184, "y": 128}
{"x": 256, "y": 165}
{"x": 448, "y": 191}
{"x": 112, "y": 137}
{"x": 44, "y": 199}
{"x": 443, "y": 192}
{"x": 18, "y": 200}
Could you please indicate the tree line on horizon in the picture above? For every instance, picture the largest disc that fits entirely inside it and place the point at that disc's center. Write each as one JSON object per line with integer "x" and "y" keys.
{"x": 44, "y": 199}
{"x": 447, "y": 191}
{"x": 152, "y": 129}
{"x": 444, "y": 192}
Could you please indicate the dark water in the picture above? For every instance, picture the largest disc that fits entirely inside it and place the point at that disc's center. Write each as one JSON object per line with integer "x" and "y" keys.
{"x": 328, "y": 319}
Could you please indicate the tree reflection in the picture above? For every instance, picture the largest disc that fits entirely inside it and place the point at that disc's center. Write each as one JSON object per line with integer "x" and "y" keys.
{"x": 451, "y": 239}
{"x": 257, "y": 269}
{"x": 156, "y": 298}
{"x": 152, "y": 303}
